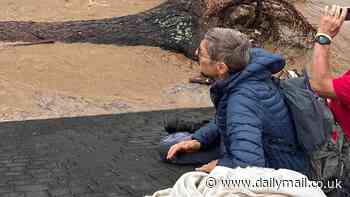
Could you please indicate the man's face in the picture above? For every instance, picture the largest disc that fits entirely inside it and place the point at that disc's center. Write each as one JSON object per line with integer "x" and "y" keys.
{"x": 208, "y": 68}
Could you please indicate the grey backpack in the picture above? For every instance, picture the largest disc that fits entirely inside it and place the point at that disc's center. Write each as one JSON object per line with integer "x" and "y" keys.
{"x": 313, "y": 119}
{"x": 314, "y": 124}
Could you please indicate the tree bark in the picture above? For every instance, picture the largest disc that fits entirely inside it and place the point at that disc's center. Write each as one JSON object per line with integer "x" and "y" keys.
{"x": 174, "y": 25}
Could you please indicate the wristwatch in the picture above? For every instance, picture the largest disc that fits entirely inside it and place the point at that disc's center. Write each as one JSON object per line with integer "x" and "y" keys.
{"x": 323, "y": 39}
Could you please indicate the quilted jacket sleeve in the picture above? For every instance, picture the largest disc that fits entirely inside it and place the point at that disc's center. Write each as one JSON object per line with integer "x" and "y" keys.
{"x": 244, "y": 133}
{"x": 208, "y": 135}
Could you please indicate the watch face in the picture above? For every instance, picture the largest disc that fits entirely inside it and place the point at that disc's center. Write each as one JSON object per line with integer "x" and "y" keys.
{"x": 323, "y": 40}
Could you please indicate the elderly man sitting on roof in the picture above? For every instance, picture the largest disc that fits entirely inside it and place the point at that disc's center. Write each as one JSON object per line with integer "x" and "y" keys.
{"x": 252, "y": 125}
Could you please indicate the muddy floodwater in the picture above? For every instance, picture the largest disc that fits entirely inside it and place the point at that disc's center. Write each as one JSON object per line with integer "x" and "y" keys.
{"x": 55, "y": 80}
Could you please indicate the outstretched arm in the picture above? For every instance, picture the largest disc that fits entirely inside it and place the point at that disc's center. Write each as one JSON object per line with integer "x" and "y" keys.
{"x": 321, "y": 78}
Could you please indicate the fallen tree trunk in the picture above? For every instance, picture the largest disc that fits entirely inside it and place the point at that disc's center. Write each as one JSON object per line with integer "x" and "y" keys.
{"x": 174, "y": 25}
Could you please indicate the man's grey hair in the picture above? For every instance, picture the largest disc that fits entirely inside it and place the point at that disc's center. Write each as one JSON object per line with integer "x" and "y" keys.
{"x": 228, "y": 46}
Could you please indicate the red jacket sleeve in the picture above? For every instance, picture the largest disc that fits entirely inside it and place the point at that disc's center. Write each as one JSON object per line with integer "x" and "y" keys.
{"x": 341, "y": 87}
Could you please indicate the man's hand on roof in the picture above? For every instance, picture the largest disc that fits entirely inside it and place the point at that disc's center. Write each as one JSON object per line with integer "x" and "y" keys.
{"x": 186, "y": 146}
{"x": 208, "y": 167}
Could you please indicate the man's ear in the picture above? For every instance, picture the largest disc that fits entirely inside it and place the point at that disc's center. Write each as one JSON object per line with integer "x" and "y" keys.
{"x": 222, "y": 68}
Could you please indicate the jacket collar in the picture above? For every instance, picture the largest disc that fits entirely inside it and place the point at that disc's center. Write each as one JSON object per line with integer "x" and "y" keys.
{"x": 261, "y": 67}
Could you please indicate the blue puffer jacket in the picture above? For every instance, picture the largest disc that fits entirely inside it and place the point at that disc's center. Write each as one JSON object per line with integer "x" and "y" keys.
{"x": 252, "y": 121}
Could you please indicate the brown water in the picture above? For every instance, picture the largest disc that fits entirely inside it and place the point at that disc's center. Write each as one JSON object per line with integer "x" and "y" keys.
{"x": 56, "y": 80}
{"x": 58, "y": 10}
